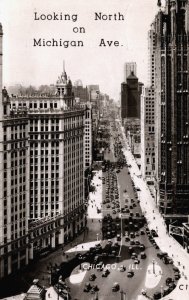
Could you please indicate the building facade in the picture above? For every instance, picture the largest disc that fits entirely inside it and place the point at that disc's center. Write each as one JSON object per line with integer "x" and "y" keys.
{"x": 42, "y": 173}
{"x": 172, "y": 110}
{"x": 56, "y": 161}
{"x": 80, "y": 92}
{"x": 14, "y": 184}
{"x": 148, "y": 115}
{"x": 130, "y": 98}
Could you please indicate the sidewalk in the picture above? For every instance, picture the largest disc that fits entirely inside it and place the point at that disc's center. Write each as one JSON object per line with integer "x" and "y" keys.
{"x": 156, "y": 221}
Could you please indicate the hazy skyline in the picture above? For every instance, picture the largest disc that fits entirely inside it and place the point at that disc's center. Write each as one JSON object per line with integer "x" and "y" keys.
{"x": 25, "y": 64}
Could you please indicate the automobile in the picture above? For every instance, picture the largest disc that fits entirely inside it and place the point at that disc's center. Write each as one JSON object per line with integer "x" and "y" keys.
{"x": 108, "y": 206}
{"x": 130, "y": 274}
{"x": 172, "y": 285}
{"x": 99, "y": 266}
{"x": 105, "y": 273}
{"x": 136, "y": 261}
{"x": 127, "y": 239}
{"x": 137, "y": 242}
{"x": 154, "y": 233}
{"x": 170, "y": 260}
{"x": 132, "y": 235}
{"x": 87, "y": 287}
{"x": 138, "y": 189}
{"x": 115, "y": 287}
{"x": 92, "y": 277}
{"x": 122, "y": 268}
{"x": 156, "y": 246}
{"x": 114, "y": 212}
{"x": 142, "y": 247}
{"x": 94, "y": 289}
{"x": 166, "y": 291}
{"x": 143, "y": 255}
{"x": 157, "y": 295}
{"x": 143, "y": 292}
{"x": 132, "y": 242}
{"x": 162, "y": 254}
{"x": 168, "y": 280}
{"x": 177, "y": 276}
{"x": 118, "y": 237}
{"x": 134, "y": 255}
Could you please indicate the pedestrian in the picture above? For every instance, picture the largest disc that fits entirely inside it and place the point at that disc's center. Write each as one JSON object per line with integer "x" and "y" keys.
{"x": 49, "y": 295}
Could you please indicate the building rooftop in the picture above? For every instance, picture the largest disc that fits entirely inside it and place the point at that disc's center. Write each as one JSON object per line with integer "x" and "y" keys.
{"x": 132, "y": 76}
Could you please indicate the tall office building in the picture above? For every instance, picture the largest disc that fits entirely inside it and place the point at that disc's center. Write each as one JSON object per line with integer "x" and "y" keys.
{"x": 172, "y": 110}
{"x": 130, "y": 99}
{"x": 41, "y": 174}
{"x": 14, "y": 184}
{"x": 56, "y": 161}
{"x": 148, "y": 115}
{"x": 129, "y": 67}
{"x": 80, "y": 92}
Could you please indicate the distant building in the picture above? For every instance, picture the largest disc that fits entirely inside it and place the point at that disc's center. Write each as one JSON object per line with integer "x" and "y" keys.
{"x": 88, "y": 134}
{"x": 94, "y": 92}
{"x": 148, "y": 115}
{"x": 130, "y": 98}
{"x": 80, "y": 92}
{"x": 129, "y": 67}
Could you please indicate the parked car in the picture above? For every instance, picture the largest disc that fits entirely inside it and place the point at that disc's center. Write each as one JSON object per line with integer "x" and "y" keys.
{"x": 105, "y": 273}
{"x": 157, "y": 295}
{"x": 130, "y": 274}
{"x": 118, "y": 237}
{"x": 87, "y": 287}
{"x": 143, "y": 255}
{"x": 122, "y": 268}
{"x": 92, "y": 277}
{"x": 115, "y": 287}
{"x": 161, "y": 254}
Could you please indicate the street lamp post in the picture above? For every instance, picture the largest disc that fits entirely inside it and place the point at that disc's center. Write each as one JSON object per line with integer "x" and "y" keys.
{"x": 162, "y": 291}
{"x": 153, "y": 262}
{"x": 97, "y": 236}
{"x": 123, "y": 295}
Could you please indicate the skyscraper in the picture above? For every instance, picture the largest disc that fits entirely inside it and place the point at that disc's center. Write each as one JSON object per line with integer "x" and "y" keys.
{"x": 130, "y": 99}
{"x": 129, "y": 67}
{"x": 56, "y": 162}
{"x": 172, "y": 110}
{"x": 42, "y": 172}
{"x": 148, "y": 115}
{"x": 14, "y": 184}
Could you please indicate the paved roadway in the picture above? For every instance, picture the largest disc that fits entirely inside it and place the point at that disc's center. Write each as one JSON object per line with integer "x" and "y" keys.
{"x": 132, "y": 286}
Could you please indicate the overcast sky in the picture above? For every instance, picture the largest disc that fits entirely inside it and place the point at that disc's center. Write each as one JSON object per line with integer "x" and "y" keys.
{"x": 23, "y": 63}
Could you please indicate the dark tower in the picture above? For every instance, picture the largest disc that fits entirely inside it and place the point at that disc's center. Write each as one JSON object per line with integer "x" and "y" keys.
{"x": 172, "y": 108}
